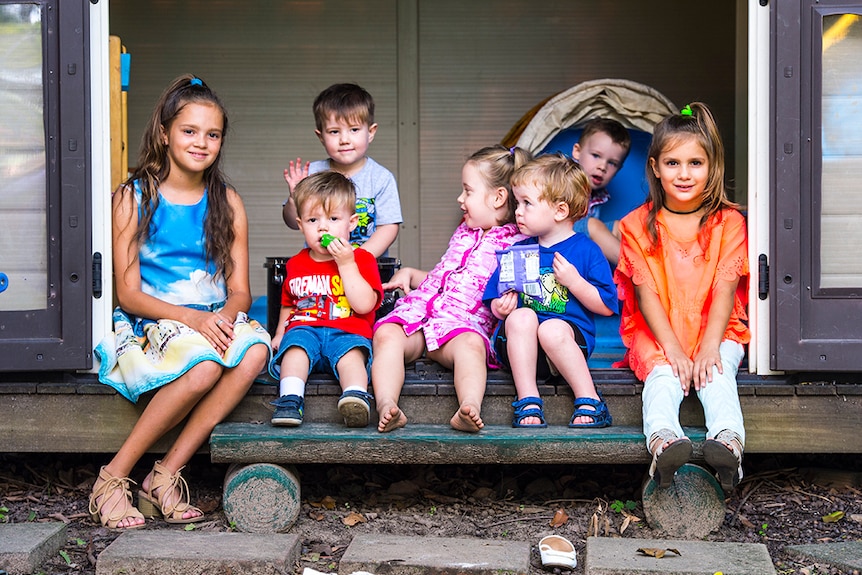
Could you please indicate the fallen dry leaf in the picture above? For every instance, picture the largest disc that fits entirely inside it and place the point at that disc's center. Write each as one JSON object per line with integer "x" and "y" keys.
{"x": 744, "y": 520}
{"x": 321, "y": 549}
{"x": 625, "y": 525}
{"x": 629, "y": 519}
{"x": 559, "y": 519}
{"x": 657, "y": 553}
{"x": 208, "y": 504}
{"x": 316, "y": 515}
{"x": 353, "y": 518}
{"x": 328, "y": 502}
{"x": 833, "y": 517}
{"x": 530, "y": 510}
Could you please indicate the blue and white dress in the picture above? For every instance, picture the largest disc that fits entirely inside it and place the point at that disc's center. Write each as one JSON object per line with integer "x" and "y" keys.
{"x": 143, "y": 354}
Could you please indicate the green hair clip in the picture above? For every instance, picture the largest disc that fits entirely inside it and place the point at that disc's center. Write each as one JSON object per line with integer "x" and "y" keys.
{"x": 686, "y": 111}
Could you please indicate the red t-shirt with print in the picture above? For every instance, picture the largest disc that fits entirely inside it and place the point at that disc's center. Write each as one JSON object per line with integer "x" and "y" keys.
{"x": 315, "y": 291}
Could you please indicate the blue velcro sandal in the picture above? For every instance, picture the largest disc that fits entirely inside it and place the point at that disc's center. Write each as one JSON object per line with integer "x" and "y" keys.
{"x": 522, "y": 412}
{"x": 355, "y": 407}
{"x": 288, "y": 410}
{"x": 601, "y": 416}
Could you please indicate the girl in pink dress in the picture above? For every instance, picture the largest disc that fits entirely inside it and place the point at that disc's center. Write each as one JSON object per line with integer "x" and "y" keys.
{"x": 442, "y": 315}
{"x": 682, "y": 277}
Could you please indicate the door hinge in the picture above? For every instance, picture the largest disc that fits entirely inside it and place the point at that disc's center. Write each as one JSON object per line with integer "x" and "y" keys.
{"x": 97, "y": 275}
{"x": 762, "y": 276}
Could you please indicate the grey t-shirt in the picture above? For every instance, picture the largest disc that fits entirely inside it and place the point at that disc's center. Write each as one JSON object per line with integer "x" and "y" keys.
{"x": 377, "y": 201}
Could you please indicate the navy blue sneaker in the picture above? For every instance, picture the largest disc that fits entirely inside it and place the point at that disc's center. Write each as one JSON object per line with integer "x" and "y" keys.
{"x": 355, "y": 407}
{"x": 288, "y": 410}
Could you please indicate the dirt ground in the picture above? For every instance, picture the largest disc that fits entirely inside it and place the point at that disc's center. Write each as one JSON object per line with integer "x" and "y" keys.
{"x": 782, "y": 501}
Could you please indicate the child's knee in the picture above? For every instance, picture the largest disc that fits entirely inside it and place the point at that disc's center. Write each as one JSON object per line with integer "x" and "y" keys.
{"x": 522, "y": 319}
{"x": 387, "y": 334}
{"x": 355, "y": 357}
{"x": 468, "y": 341}
{"x": 255, "y": 358}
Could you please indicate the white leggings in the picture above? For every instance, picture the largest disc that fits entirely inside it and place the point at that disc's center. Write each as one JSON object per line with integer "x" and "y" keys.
{"x": 662, "y": 396}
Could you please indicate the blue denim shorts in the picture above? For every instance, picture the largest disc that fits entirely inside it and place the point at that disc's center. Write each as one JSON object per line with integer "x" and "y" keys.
{"x": 324, "y": 346}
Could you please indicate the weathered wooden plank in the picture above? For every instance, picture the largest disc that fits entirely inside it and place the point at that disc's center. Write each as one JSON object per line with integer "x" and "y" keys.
{"x": 427, "y": 444}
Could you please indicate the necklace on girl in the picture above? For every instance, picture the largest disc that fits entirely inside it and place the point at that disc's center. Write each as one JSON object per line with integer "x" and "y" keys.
{"x": 683, "y": 213}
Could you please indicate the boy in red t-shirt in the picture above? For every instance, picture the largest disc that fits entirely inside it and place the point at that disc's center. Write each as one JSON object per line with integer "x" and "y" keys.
{"x": 330, "y": 293}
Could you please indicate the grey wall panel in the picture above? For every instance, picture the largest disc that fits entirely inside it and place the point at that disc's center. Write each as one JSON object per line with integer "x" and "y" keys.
{"x": 268, "y": 61}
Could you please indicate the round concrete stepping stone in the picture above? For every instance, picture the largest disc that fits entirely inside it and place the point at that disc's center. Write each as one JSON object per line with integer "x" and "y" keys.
{"x": 692, "y": 507}
{"x": 261, "y": 497}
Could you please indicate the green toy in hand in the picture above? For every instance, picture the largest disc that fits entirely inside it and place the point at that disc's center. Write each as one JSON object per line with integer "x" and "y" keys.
{"x": 326, "y": 239}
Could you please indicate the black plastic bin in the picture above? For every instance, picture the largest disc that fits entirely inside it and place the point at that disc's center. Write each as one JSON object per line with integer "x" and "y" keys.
{"x": 274, "y": 279}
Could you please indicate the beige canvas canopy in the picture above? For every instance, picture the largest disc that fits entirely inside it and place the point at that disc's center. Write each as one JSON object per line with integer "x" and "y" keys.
{"x": 635, "y": 106}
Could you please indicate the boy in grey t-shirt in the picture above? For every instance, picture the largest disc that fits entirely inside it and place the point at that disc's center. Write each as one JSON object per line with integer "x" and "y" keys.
{"x": 344, "y": 116}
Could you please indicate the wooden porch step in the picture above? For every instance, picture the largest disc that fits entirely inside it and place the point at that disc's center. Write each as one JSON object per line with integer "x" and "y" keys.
{"x": 425, "y": 443}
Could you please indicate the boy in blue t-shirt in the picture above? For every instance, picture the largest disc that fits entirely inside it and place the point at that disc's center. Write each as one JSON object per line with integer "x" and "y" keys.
{"x": 549, "y": 323}
{"x": 344, "y": 116}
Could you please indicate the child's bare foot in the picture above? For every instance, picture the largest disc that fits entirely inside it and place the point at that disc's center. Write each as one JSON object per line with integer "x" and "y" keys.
{"x": 467, "y": 419}
{"x": 391, "y": 418}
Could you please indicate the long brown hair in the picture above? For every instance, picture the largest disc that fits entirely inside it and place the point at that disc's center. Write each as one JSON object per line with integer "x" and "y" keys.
{"x": 694, "y": 121}
{"x": 154, "y": 166}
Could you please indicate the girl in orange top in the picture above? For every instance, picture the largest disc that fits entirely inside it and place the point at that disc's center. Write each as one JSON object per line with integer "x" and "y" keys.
{"x": 682, "y": 278}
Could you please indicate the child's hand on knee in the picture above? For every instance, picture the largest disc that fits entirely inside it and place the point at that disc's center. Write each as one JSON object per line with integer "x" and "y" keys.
{"x": 682, "y": 367}
{"x": 704, "y": 362}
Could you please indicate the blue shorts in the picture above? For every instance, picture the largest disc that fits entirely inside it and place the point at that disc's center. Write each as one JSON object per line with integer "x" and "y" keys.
{"x": 581, "y": 226}
{"x": 324, "y": 346}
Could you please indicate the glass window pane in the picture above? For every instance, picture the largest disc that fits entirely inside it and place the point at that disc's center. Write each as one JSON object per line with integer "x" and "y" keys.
{"x": 841, "y": 177}
{"x": 23, "y": 221}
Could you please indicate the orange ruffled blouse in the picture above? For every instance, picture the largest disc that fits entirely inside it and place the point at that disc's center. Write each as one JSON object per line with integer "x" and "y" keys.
{"x": 683, "y": 277}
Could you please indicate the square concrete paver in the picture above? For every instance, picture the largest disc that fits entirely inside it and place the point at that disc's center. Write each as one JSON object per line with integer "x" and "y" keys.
{"x": 178, "y": 552}
{"x": 434, "y": 555}
{"x": 846, "y": 556}
{"x": 25, "y": 546}
{"x": 606, "y": 556}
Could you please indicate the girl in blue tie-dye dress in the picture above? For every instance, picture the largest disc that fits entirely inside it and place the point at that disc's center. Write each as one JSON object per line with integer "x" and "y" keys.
{"x": 180, "y": 239}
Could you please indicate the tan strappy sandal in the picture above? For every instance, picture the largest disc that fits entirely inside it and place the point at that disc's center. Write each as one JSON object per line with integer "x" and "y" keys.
{"x": 666, "y": 460}
{"x": 156, "y": 500}
{"x": 724, "y": 454}
{"x": 108, "y": 509}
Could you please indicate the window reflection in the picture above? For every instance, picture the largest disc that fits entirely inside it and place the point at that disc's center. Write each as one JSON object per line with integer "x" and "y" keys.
{"x": 23, "y": 221}
{"x": 841, "y": 191}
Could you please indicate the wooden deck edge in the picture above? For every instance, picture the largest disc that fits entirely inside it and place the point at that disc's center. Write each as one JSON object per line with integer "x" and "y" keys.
{"x": 783, "y": 414}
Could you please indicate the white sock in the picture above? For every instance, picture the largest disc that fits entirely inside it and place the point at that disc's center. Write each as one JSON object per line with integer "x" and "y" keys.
{"x": 355, "y": 388}
{"x": 291, "y": 385}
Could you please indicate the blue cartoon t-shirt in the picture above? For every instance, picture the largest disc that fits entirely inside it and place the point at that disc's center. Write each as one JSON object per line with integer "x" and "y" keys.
{"x": 551, "y": 299}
